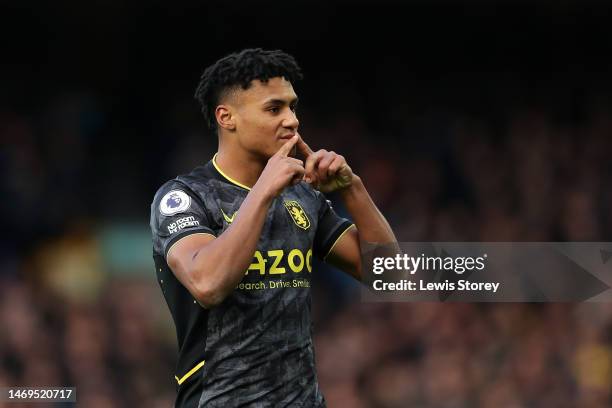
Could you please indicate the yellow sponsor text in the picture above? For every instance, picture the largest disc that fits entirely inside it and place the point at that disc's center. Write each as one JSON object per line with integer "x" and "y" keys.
{"x": 275, "y": 262}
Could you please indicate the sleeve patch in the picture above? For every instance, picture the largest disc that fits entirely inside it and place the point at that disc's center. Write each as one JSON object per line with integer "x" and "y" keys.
{"x": 181, "y": 223}
{"x": 173, "y": 202}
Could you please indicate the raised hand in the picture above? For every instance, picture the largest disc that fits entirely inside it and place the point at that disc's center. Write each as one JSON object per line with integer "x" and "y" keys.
{"x": 281, "y": 170}
{"x": 326, "y": 171}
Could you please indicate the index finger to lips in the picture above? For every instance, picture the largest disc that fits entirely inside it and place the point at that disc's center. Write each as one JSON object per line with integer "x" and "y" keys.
{"x": 286, "y": 148}
{"x": 303, "y": 147}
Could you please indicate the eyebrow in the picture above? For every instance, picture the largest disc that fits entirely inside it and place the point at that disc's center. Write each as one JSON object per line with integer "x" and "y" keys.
{"x": 276, "y": 101}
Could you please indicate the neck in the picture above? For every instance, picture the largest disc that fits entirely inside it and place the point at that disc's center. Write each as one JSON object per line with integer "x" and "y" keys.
{"x": 239, "y": 166}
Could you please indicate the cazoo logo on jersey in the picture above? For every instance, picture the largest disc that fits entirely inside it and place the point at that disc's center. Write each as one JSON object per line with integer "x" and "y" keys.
{"x": 295, "y": 259}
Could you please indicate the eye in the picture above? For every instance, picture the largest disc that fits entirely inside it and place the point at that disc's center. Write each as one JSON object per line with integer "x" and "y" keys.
{"x": 294, "y": 108}
{"x": 274, "y": 109}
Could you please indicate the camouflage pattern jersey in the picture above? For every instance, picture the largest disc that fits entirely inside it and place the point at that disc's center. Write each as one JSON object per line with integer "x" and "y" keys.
{"x": 255, "y": 348}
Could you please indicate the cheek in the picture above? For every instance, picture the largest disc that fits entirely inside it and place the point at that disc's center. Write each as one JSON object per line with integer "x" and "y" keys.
{"x": 261, "y": 129}
{"x": 262, "y": 126}
{"x": 258, "y": 134}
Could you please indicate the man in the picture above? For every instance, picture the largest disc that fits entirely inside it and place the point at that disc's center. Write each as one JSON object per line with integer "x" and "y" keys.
{"x": 234, "y": 240}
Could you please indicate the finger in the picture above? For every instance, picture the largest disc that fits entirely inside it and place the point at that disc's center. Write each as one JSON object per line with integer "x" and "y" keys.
{"x": 335, "y": 165}
{"x": 303, "y": 148}
{"x": 295, "y": 161}
{"x": 297, "y": 170}
{"x": 324, "y": 164}
{"x": 286, "y": 148}
{"x": 311, "y": 164}
{"x": 295, "y": 174}
{"x": 310, "y": 179}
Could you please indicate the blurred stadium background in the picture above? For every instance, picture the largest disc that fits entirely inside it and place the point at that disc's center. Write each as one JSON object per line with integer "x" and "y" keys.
{"x": 468, "y": 121}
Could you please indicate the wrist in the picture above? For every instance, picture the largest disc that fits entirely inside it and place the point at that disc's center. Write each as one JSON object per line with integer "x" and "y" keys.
{"x": 262, "y": 194}
{"x": 355, "y": 187}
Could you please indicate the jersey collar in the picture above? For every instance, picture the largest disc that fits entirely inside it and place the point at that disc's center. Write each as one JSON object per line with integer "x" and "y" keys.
{"x": 225, "y": 176}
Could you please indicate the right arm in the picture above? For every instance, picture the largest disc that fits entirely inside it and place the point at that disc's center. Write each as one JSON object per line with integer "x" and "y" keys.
{"x": 211, "y": 268}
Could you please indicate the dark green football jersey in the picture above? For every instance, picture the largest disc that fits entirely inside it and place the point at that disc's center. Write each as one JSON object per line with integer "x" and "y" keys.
{"x": 255, "y": 348}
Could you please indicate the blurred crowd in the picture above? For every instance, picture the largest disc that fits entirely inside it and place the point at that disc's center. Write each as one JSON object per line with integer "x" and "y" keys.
{"x": 68, "y": 171}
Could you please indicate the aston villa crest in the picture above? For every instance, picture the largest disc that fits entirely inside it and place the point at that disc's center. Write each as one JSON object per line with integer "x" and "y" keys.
{"x": 297, "y": 214}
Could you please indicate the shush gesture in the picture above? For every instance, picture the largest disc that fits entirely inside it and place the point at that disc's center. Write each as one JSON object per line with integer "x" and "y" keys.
{"x": 281, "y": 170}
{"x": 325, "y": 171}
{"x": 223, "y": 233}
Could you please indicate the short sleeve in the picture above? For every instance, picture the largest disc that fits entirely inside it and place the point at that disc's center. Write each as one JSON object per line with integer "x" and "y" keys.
{"x": 176, "y": 212}
{"x": 330, "y": 228}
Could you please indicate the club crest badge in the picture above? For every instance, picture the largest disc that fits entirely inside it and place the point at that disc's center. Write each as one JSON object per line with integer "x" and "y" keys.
{"x": 298, "y": 214}
{"x": 174, "y": 202}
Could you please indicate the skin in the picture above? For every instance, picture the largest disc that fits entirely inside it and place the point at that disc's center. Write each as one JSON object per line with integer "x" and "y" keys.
{"x": 258, "y": 134}
{"x": 253, "y": 125}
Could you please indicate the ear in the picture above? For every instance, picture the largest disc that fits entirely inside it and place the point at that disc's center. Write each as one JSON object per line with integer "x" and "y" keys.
{"x": 225, "y": 117}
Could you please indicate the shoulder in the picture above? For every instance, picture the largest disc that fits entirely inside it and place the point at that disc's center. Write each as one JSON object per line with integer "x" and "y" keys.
{"x": 177, "y": 211}
{"x": 187, "y": 192}
{"x": 182, "y": 205}
{"x": 172, "y": 197}
{"x": 195, "y": 183}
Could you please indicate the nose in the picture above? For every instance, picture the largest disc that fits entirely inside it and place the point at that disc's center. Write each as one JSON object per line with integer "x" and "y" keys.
{"x": 290, "y": 121}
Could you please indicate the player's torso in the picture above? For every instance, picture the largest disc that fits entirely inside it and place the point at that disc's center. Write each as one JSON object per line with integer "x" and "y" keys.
{"x": 261, "y": 333}
{"x": 284, "y": 255}
{"x": 284, "y": 252}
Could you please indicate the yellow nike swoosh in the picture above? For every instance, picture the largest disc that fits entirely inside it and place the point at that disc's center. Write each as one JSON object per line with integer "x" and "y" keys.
{"x": 227, "y": 218}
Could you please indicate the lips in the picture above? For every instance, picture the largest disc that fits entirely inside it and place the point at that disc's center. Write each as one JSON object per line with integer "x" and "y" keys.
{"x": 286, "y": 137}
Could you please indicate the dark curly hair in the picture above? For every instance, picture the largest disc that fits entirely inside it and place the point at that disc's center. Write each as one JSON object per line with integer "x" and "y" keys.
{"x": 239, "y": 69}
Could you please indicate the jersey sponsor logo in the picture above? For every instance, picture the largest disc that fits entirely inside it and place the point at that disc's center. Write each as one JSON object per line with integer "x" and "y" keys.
{"x": 174, "y": 202}
{"x": 181, "y": 223}
{"x": 298, "y": 214}
{"x": 273, "y": 262}
{"x": 227, "y": 217}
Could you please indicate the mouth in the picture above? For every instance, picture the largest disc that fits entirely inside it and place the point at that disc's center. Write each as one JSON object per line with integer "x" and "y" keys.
{"x": 287, "y": 136}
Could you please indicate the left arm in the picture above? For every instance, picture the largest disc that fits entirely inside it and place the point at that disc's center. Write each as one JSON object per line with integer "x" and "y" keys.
{"x": 371, "y": 227}
{"x": 328, "y": 171}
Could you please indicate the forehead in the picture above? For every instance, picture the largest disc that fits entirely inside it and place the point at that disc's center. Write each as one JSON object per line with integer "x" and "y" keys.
{"x": 260, "y": 92}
